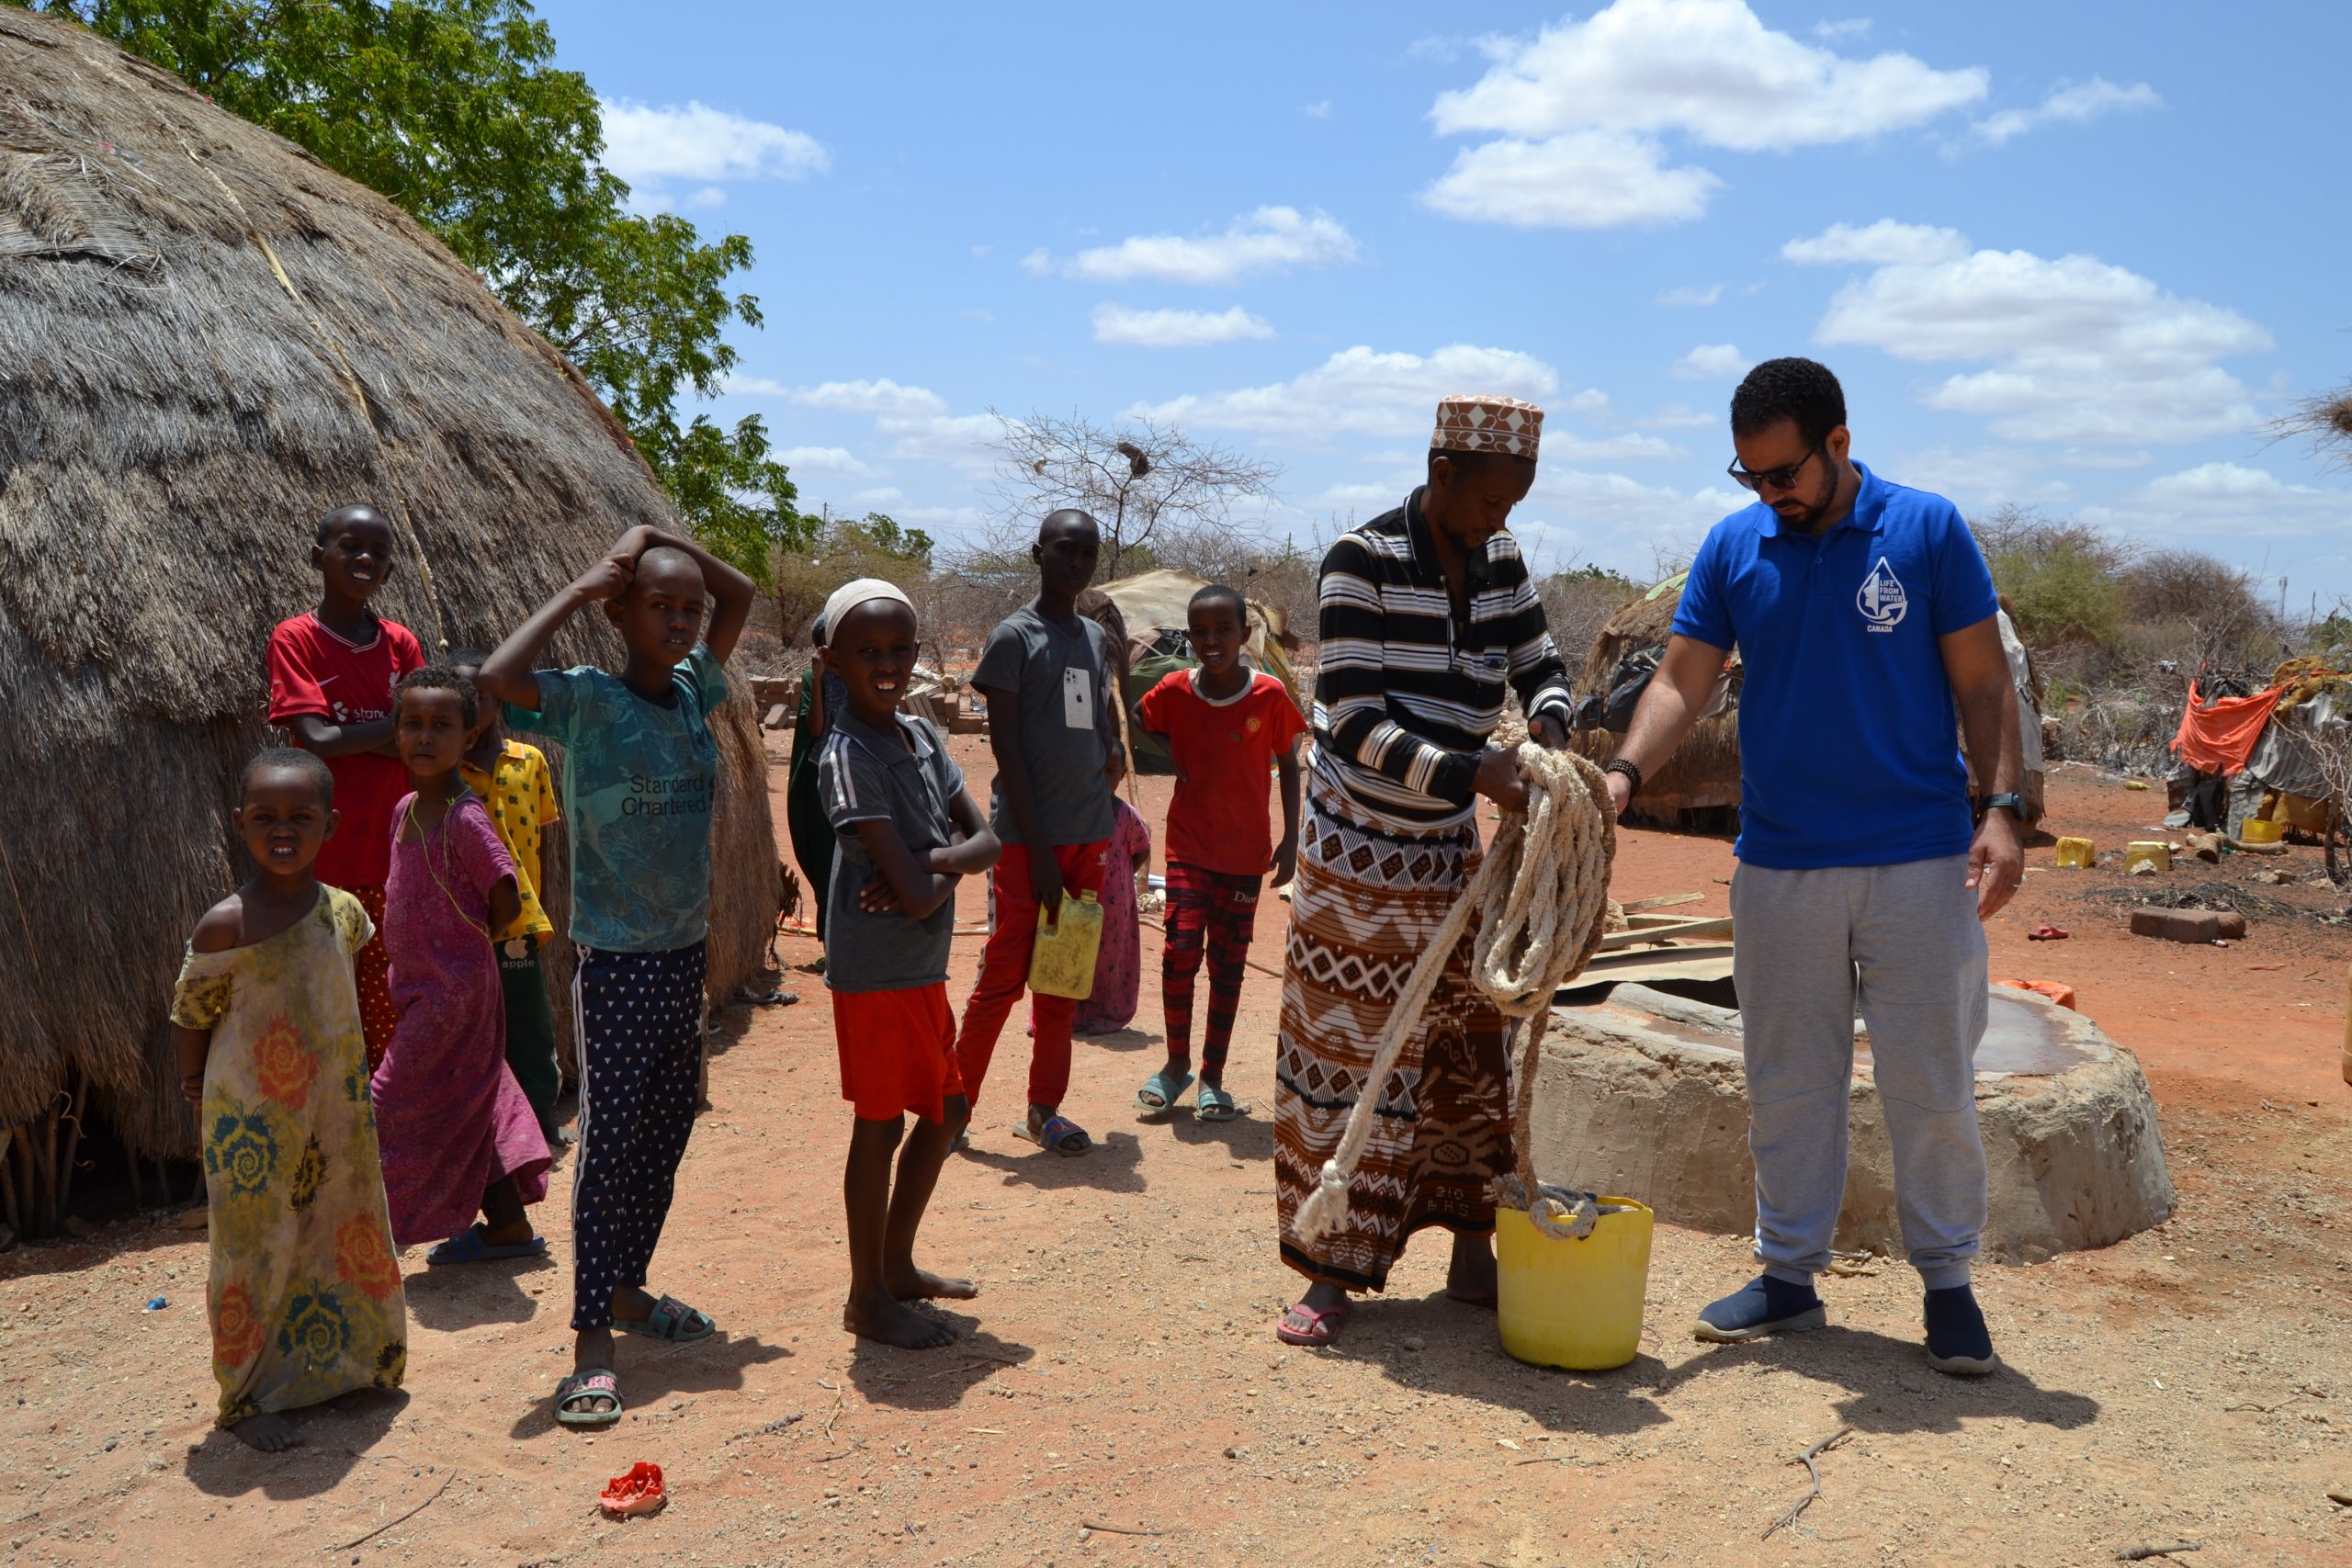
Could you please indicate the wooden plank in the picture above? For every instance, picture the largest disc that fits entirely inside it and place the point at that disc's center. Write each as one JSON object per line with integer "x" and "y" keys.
{"x": 1685, "y": 931}
{"x": 1663, "y": 901}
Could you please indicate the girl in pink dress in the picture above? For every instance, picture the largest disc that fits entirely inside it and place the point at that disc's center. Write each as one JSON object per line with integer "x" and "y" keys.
{"x": 457, "y": 1133}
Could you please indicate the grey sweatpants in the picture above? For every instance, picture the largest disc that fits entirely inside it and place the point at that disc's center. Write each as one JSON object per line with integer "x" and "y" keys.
{"x": 1902, "y": 941}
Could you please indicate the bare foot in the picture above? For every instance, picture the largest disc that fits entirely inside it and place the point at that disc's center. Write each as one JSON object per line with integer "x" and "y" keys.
{"x": 1470, "y": 1277}
{"x": 893, "y": 1323}
{"x": 270, "y": 1434}
{"x": 909, "y": 1283}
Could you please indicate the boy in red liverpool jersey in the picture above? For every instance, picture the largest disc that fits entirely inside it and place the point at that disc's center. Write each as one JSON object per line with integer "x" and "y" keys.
{"x": 1224, "y": 724}
{"x": 331, "y": 671}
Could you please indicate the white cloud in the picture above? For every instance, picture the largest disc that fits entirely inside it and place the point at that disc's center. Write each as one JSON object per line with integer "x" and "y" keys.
{"x": 1270, "y": 239}
{"x": 1319, "y": 110}
{"x": 1979, "y": 479}
{"x": 2077, "y": 350}
{"x": 1852, "y": 27}
{"x": 2228, "y": 500}
{"x": 1360, "y": 391}
{"x": 1613, "y": 520}
{"x": 1583, "y": 179}
{"x": 2069, "y": 103}
{"x": 1591, "y": 400}
{"x": 1708, "y": 68}
{"x": 821, "y": 460}
{"x": 1692, "y": 296}
{"x": 651, "y": 147}
{"x": 960, "y": 441}
{"x": 878, "y": 397}
{"x": 1710, "y": 362}
{"x": 1175, "y": 329}
{"x": 1559, "y": 446}
{"x": 1883, "y": 244}
{"x": 1679, "y": 416}
{"x": 1435, "y": 49}
{"x": 880, "y": 496}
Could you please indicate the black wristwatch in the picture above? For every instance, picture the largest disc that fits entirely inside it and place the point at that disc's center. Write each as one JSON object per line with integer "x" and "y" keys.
{"x": 2009, "y": 801}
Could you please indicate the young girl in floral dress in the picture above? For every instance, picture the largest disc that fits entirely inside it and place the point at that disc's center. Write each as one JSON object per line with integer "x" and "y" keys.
{"x": 305, "y": 1298}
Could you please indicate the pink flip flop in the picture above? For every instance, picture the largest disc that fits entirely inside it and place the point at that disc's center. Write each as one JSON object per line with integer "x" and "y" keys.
{"x": 1322, "y": 1327}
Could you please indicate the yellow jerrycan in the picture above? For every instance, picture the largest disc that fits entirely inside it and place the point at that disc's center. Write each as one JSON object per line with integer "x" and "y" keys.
{"x": 1574, "y": 1303}
{"x": 1062, "y": 962}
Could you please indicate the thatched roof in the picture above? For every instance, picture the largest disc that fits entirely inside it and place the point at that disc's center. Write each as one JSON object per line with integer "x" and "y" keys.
{"x": 207, "y": 340}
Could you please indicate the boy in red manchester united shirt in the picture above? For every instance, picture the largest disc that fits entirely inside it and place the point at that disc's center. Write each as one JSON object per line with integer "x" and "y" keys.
{"x": 331, "y": 671}
{"x": 1223, "y": 724}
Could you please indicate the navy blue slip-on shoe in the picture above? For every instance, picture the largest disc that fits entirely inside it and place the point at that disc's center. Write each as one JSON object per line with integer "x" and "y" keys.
{"x": 1764, "y": 1305}
{"x": 1958, "y": 1341}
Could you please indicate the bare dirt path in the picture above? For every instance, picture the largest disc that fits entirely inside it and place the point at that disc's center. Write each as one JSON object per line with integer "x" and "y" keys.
{"x": 1120, "y": 1399}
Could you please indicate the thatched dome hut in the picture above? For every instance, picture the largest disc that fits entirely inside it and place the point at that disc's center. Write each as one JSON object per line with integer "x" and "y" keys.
{"x": 1703, "y": 774}
{"x": 208, "y": 340}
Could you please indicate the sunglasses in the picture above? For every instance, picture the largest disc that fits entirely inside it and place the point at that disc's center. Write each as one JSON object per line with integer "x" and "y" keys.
{"x": 1779, "y": 479}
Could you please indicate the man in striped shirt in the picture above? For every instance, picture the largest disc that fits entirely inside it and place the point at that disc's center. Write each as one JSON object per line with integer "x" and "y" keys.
{"x": 1427, "y": 614}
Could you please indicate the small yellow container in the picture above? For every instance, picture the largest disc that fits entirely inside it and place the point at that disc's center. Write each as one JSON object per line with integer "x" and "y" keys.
{"x": 2147, "y": 850}
{"x": 2075, "y": 852}
{"x": 1574, "y": 1303}
{"x": 1062, "y": 962}
{"x": 2261, "y": 830}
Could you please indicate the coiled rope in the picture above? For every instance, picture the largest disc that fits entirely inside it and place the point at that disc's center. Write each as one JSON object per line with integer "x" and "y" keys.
{"x": 1541, "y": 899}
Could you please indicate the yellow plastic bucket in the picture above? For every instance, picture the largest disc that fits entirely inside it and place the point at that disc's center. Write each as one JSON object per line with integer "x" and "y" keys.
{"x": 1574, "y": 1303}
{"x": 2259, "y": 830}
{"x": 2076, "y": 852}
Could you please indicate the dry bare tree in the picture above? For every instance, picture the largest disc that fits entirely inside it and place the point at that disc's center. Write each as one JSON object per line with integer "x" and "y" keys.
{"x": 1144, "y": 482}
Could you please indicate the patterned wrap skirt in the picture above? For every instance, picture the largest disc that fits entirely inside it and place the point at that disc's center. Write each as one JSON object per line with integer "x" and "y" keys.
{"x": 1367, "y": 901}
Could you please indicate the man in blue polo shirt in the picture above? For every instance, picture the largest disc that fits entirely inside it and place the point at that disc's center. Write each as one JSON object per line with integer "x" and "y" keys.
{"x": 1863, "y": 610}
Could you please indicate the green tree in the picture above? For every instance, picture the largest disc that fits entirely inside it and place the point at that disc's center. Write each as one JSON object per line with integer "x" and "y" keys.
{"x": 455, "y": 110}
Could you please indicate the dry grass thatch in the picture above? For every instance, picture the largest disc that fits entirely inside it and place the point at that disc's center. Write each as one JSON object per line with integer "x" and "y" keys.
{"x": 1703, "y": 773}
{"x": 207, "y": 340}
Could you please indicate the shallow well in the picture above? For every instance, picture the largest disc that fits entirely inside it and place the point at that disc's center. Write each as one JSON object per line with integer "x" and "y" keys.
{"x": 1643, "y": 1092}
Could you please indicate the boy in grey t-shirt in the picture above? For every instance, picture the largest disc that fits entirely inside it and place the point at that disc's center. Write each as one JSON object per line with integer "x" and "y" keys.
{"x": 1052, "y": 727}
{"x": 908, "y": 831}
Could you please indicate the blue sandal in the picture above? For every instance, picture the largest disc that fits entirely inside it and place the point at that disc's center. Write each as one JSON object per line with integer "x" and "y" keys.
{"x": 672, "y": 1319}
{"x": 1058, "y": 1133}
{"x": 1214, "y": 1104}
{"x": 576, "y": 1397}
{"x": 1164, "y": 1089}
{"x": 469, "y": 1246}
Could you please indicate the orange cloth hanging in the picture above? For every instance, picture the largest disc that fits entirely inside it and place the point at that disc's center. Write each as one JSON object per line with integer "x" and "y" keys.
{"x": 2220, "y": 738}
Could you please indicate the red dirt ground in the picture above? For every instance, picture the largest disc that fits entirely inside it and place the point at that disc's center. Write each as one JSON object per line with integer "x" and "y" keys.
{"x": 1119, "y": 1398}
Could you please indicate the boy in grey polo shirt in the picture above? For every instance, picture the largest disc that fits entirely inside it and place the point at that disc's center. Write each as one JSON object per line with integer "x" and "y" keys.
{"x": 908, "y": 831}
{"x": 1044, "y": 670}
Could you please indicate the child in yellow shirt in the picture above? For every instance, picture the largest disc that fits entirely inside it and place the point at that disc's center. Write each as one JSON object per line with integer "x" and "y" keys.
{"x": 513, "y": 780}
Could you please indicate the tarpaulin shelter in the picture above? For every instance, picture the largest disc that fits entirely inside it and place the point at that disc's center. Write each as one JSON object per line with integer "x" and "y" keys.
{"x": 2267, "y": 751}
{"x": 1153, "y": 604}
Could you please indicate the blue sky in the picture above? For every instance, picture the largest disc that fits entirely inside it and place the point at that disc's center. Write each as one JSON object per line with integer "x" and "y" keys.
{"x": 2070, "y": 257}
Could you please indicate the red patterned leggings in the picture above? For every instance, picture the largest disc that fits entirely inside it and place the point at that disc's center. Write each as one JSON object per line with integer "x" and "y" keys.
{"x": 1219, "y": 912}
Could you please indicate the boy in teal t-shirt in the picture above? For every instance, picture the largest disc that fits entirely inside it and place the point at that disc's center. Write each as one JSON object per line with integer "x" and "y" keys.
{"x": 640, "y": 770}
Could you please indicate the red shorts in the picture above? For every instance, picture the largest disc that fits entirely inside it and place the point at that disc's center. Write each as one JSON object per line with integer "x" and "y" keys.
{"x": 897, "y": 1050}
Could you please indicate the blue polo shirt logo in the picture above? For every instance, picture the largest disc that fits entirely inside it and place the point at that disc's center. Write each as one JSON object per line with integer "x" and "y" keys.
{"x": 1881, "y": 600}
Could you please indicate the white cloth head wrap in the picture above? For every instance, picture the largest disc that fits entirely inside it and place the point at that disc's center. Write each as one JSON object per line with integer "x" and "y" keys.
{"x": 849, "y": 596}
